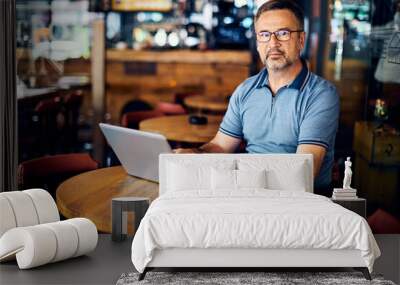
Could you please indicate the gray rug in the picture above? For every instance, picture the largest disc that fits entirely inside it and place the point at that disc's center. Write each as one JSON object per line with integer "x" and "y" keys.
{"x": 242, "y": 278}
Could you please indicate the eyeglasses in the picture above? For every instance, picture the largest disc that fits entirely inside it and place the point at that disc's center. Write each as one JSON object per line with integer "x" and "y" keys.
{"x": 280, "y": 35}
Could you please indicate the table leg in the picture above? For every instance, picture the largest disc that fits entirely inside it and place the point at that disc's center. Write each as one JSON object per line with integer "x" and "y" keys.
{"x": 116, "y": 220}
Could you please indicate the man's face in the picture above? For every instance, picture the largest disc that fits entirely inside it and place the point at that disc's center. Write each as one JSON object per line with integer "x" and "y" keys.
{"x": 277, "y": 55}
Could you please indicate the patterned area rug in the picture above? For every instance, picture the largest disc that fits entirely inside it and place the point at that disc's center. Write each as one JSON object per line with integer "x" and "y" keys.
{"x": 242, "y": 278}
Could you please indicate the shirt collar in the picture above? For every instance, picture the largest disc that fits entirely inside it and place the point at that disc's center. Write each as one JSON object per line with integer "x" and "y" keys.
{"x": 298, "y": 83}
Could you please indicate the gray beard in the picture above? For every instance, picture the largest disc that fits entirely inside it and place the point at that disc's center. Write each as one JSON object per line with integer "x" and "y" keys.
{"x": 278, "y": 66}
{"x": 281, "y": 66}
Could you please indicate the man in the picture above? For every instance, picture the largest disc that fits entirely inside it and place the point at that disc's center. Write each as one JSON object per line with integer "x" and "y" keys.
{"x": 285, "y": 108}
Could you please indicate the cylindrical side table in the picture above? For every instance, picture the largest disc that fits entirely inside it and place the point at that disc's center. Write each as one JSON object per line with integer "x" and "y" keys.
{"x": 120, "y": 206}
{"x": 357, "y": 205}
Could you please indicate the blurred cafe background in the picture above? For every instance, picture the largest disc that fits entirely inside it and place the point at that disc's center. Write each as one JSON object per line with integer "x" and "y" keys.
{"x": 149, "y": 64}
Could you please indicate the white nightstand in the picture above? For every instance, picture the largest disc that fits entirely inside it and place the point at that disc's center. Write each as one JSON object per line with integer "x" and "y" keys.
{"x": 357, "y": 205}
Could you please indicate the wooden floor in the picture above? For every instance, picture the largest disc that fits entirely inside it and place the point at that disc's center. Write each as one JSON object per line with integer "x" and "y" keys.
{"x": 110, "y": 259}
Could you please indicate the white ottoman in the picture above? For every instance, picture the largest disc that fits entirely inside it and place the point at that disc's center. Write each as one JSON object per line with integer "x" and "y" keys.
{"x": 31, "y": 230}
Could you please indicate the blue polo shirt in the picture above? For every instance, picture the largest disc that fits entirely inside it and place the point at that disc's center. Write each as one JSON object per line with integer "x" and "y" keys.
{"x": 304, "y": 112}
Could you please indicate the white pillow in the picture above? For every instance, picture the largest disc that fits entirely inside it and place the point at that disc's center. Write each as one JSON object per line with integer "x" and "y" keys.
{"x": 282, "y": 174}
{"x": 251, "y": 178}
{"x": 237, "y": 179}
{"x": 293, "y": 179}
{"x": 223, "y": 179}
{"x": 193, "y": 175}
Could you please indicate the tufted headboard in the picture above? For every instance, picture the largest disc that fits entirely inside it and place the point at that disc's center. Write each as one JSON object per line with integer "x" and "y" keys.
{"x": 240, "y": 161}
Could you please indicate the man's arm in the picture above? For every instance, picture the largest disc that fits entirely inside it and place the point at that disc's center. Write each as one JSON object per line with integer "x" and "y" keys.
{"x": 318, "y": 153}
{"x": 221, "y": 143}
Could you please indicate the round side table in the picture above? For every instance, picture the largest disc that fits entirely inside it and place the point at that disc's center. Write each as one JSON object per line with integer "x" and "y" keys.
{"x": 120, "y": 207}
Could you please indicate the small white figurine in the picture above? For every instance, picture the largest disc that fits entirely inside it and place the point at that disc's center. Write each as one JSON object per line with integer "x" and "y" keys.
{"x": 347, "y": 174}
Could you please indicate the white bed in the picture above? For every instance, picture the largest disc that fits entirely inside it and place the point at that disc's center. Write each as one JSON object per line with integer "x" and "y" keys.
{"x": 203, "y": 220}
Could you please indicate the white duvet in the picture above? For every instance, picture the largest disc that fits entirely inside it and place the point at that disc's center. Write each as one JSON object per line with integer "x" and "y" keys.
{"x": 250, "y": 219}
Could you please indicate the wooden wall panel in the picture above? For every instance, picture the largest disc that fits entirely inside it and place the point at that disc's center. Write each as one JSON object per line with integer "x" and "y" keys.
{"x": 212, "y": 73}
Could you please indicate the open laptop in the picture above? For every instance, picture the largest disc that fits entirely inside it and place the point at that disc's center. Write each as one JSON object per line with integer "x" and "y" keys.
{"x": 136, "y": 150}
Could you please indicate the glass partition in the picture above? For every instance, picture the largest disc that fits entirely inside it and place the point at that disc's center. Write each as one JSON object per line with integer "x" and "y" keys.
{"x": 363, "y": 61}
{"x": 53, "y": 75}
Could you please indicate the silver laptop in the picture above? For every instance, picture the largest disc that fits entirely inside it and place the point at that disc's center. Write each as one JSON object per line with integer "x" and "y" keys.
{"x": 137, "y": 150}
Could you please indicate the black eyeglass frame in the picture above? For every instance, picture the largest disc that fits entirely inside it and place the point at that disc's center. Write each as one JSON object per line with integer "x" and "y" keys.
{"x": 275, "y": 34}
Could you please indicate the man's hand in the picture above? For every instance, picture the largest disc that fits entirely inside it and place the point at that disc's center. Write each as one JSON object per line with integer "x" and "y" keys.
{"x": 221, "y": 143}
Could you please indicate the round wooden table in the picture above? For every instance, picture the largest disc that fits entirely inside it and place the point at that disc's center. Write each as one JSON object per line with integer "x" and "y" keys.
{"x": 89, "y": 195}
{"x": 178, "y": 128}
{"x": 215, "y": 104}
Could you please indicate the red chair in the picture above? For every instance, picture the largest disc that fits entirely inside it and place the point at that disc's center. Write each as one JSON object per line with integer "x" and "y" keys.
{"x": 49, "y": 171}
{"x": 47, "y": 117}
{"x": 132, "y": 119}
{"x": 48, "y": 105}
{"x": 72, "y": 105}
{"x": 170, "y": 108}
{"x": 381, "y": 222}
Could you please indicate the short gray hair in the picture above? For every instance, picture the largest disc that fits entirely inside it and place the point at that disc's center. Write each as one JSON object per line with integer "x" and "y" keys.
{"x": 290, "y": 5}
